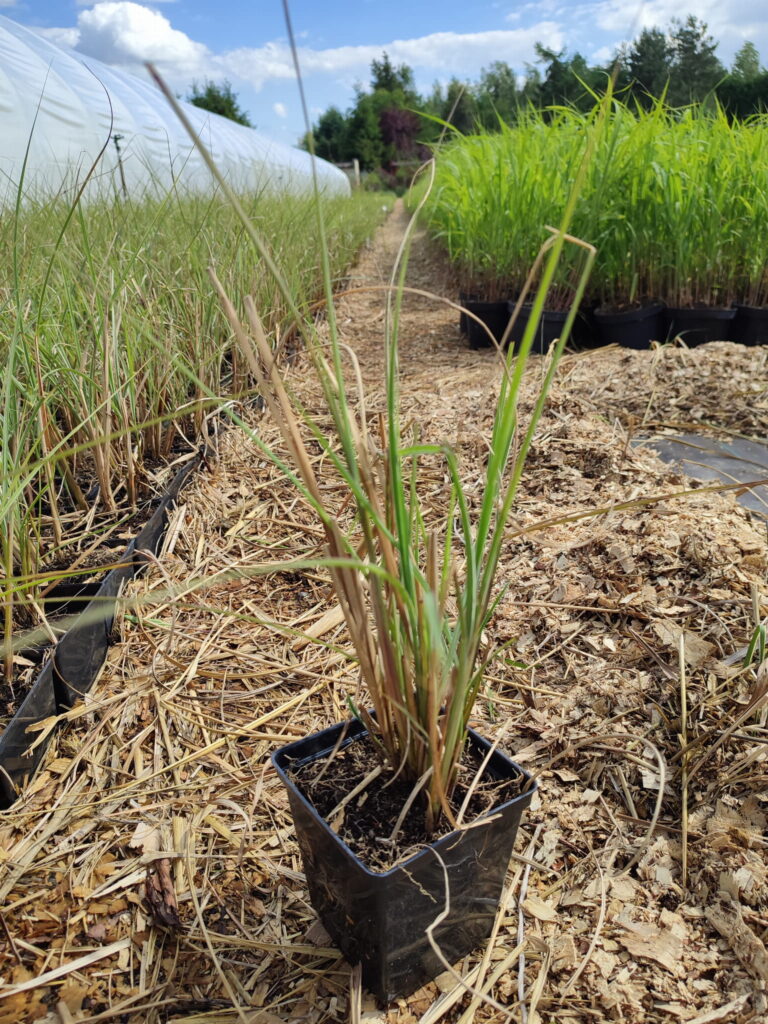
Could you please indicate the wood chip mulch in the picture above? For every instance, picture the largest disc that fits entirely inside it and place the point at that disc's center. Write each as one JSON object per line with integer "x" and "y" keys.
{"x": 149, "y": 872}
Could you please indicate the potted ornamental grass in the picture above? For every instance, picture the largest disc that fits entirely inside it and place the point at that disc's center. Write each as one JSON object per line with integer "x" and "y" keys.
{"x": 750, "y": 325}
{"x": 626, "y": 280}
{"x": 493, "y": 194}
{"x": 405, "y": 816}
{"x": 675, "y": 201}
{"x": 698, "y": 222}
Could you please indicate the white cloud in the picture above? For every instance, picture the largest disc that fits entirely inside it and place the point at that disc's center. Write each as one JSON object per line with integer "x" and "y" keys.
{"x": 729, "y": 22}
{"x": 94, "y": 3}
{"x": 604, "y": 54}
{"x": 538, "y": 8}
{"x": 7, "y": 3}
{"x": 615, "y": 16}
{"x": 280, "y": 109}
{"x": 721, "y": 16}
{"x": 453, "y": 52}
{"x": 126, "y": 33}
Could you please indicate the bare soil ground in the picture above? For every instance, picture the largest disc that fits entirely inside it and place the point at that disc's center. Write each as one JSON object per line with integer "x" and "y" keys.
{"x": 149, "y": 872}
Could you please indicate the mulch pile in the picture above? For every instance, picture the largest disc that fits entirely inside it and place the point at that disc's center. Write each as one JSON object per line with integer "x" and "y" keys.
{"x": 149, "y": 871}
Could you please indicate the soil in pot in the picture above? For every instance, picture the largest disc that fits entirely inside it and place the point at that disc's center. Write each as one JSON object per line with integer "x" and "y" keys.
{"x": 379, "y": 913}
{"x": 631, "y": 328}
{"x": 750, "y": 325}
{"x": 698, "y": 325}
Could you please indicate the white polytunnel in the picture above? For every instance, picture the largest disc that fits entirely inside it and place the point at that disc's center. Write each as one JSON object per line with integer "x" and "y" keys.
{"x": 60, "y": 110}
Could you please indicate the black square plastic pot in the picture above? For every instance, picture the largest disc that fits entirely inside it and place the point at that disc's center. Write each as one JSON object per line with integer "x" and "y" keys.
{"x": 493, "y": 315}
{"x": 550, "y": 327}
{"x": 631, "y": 328}
{"x": 750, "y": 325}
{"x": 698, "y": 325}
{"x": 464, "y": 298}
{"x": 380, "y": 919}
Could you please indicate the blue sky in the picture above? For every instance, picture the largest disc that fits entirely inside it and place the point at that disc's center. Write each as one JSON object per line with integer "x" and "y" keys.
{"x": 245, "y": 40}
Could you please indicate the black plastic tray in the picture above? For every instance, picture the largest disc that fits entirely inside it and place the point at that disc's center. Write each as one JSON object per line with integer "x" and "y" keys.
{"x": 78, "y": 656}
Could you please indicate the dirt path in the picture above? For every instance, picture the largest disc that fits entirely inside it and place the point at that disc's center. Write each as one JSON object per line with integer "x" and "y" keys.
{"x": 162, "y": 778}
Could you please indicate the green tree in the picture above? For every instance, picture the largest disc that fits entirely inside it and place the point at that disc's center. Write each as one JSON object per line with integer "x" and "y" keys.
{"x": 364, "y": 128}
{"x": 531, "y": 90}
{"x": 745, "y": 90}
{"x": 746, "y": 63}
{"x": 331, "y": 136}
{"x": 459, "y": 106}
{"x": 496, "y": 95}
{"x": 555, "y": 86}
{"x": 568, "y": 80}
{"x": 649, "y": 65}
{"x": 219, "y": 99}
{"x": 385, "y": 76}
{"x": 696, "y": 69}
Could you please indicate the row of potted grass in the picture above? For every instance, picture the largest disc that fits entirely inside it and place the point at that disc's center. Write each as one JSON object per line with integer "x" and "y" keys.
{"x": 676, "y": 204}
{"x": 114, "y": 347}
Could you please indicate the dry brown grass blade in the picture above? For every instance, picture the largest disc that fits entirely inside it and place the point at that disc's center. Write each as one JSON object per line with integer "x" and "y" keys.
{"x": 80, "y": 964}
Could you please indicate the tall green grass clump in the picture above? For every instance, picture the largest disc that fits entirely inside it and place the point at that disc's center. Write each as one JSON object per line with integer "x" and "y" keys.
{"x": 115, "y": 348}
{"x": 493, "y": 193}
{"x": 684, "y": 208}
{"x": 676, "y": 202}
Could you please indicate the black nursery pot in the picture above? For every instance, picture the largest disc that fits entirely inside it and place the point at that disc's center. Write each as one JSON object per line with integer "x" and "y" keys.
{"x": 550, "y": 327}
{"x": 464, "y": 298}
{"x": 699, "y": 325}
{"x": 750, "y": 325}
{"x": 494, "y": 315}
{"x": 380, "y": 919}
{"x": 631, "y": 328}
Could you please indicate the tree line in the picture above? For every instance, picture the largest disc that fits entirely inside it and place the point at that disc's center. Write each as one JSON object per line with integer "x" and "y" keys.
{"x": 390, "y": 124}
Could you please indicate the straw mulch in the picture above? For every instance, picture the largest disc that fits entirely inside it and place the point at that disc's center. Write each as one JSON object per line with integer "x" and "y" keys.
{"x": 150, "y": 871}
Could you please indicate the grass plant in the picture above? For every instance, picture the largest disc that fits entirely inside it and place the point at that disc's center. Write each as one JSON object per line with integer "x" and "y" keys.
{"x": 675, "y": 201}
{"x": 493, "y": 193}
{"x": 416, "y": 597}
{"x": 115, "y": 347}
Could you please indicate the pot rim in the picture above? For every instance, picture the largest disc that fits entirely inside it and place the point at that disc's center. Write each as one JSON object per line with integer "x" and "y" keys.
{"x": 761, "y": 312}
{"x": 612, "y": 314}
{"x": 712, "y": 312}
{"x": 556, "y": 315}
{"x": 357, "y": 731}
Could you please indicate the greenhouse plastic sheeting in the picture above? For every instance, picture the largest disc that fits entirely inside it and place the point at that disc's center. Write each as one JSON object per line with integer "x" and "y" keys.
{"x": 58, "y": 111}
